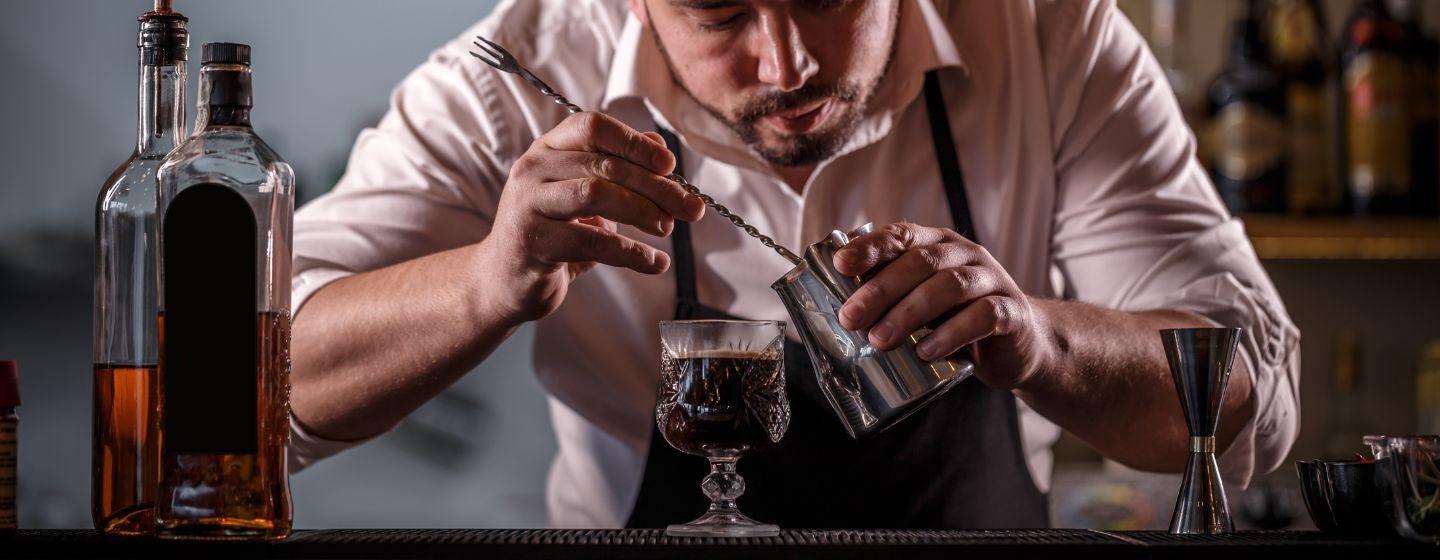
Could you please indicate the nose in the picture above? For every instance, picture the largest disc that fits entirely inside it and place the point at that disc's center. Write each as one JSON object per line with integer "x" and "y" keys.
{"x": 784, "y": 61}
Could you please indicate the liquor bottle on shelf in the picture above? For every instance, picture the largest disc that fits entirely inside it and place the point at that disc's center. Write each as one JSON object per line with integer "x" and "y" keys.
{"x": 124, "y": 468}
{"x": 1427, "y": 390}
{"x": 1247, "y": 108}
{"x": 225, "y": 205}
{"x": 1303, "y": 58}
{"x": 1167, "y": 40}
{"x": 1347, "y": 422}
{"x": 1423, "y": 58}
{"x": 1377, "y": 122}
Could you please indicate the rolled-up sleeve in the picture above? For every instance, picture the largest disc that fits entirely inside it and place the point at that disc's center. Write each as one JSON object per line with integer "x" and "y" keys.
{"x": 426, "y": 179}
{"x": 1138, "y": 225}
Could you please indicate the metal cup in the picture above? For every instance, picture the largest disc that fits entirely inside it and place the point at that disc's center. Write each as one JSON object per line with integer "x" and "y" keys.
{"x": 870, "y": 390}
{"x": 1200, "y": 361}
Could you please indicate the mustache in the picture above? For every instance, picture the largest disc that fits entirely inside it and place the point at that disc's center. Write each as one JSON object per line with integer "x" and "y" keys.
{"x": 780, "y": 101}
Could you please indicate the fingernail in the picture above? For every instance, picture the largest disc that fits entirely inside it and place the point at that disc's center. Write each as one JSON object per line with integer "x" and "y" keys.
{"x": 928, "y": 349}
{"x": 664, "y": 227}
{"x": 882, "y": 332}
{"x": 697, "y": 206}
{"x": 662, "y": 160}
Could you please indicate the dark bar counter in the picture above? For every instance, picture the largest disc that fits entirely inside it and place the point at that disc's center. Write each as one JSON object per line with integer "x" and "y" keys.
{"x": 1052, "y": 544}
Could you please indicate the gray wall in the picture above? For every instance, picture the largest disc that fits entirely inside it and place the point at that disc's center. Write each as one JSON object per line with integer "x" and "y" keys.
{"x": 323, "y": 70}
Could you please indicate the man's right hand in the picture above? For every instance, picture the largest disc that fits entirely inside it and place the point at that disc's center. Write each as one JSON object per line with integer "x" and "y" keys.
{"x": 558, "y": 212}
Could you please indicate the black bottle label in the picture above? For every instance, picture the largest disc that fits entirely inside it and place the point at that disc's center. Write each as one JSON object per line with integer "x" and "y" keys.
{"x": 209, "y": 324}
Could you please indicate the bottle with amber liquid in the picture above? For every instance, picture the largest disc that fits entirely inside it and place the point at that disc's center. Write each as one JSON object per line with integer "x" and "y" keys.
{"x": 124, "y": 472}
{"x": 1305, "y": 62}
{"x": 226, "y": 202}
{"x": 1377, "y": 121}
{"x": 1247, "y": 106}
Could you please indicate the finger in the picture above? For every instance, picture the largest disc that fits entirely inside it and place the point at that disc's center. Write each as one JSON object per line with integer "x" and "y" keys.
{"x": 591, "y": 197}
{"x": 693, "y": 203}
{"x": 941, "y": 293}
{"x": 884, "y": 245}
{"x": 663, "y": 192}
{"x": 869, "y": 303}
{"x": 573, "y": 242}
{"x": 598, "y": 132}
{"x": 993, "y": 315}
{"x": 598, "y": 222}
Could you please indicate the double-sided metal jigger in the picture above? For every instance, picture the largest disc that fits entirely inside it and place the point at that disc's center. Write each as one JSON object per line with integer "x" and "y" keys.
{"x": 1200, "y": 361}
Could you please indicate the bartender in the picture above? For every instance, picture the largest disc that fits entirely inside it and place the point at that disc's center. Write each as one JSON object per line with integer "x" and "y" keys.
{"x": 1036, "y": 196}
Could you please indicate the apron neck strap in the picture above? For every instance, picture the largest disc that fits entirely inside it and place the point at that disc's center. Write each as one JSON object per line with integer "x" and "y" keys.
{"x": 687, "y": 300}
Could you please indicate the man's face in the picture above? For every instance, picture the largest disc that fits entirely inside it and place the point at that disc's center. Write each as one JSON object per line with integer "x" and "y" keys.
{"x": 790, "y": 77}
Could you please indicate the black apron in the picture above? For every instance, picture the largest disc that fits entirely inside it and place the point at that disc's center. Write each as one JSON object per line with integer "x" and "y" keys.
{"x": 956, "y": 464}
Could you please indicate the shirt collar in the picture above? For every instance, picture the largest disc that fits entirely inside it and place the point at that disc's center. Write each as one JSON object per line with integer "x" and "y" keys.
{"x": 638, "y": 73}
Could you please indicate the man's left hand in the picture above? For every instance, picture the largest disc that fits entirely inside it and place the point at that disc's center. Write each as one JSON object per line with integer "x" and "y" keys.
{"x": 935, "y": 277}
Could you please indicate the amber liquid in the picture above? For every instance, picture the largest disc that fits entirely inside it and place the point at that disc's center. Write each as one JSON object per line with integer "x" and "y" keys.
{"x": 722, "y": 405}
{"x": 237, "y": 496}
{"x": 124, "y": 449}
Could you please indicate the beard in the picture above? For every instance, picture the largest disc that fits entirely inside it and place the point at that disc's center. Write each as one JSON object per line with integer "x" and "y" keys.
{"x": 793, "y": 150}
{"x": 809, "y": 148}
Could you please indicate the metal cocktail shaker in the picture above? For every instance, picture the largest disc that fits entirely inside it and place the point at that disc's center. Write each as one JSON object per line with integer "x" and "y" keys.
{"x": 870, "y": 390}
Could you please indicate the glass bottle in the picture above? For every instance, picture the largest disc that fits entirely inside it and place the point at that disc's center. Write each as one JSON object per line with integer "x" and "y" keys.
{"x": 1167, "y": 40}
{"x": 1303, "y": 59}
{"x": 1346, "y": 420}
{"x": 225, "y": 205}
{"x": 1247, "y": 108}
{"x": 1422, "y": 53}
{"x": 1377, "y": 122}
{"x": 1427, "y": 390}
{"x": 125, "y": 354}
{"x": 9, "y": 446}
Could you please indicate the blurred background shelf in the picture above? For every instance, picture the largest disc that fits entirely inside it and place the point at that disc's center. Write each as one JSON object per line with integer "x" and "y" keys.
{"x": 1279, "y": 237}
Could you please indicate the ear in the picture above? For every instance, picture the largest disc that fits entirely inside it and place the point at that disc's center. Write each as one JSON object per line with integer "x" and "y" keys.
{"x": 641, "y": 12}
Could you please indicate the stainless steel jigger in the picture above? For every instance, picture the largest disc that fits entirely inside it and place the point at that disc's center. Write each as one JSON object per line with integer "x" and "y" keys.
{"x": 1200, "y": 361}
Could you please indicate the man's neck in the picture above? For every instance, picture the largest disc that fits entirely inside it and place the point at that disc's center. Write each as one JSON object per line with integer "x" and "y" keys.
{"x": 795, "y": 177}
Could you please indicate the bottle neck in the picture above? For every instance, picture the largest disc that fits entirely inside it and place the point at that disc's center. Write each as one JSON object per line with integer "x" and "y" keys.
{"x": 164, "y": 43}
{"x": 225, "y": 96}
{"x": 162, "y": 108}
{"x": 1247, "y": 42}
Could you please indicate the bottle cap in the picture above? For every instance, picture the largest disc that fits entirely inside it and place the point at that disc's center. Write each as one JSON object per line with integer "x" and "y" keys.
{"x": 9, "y": 384}
{"x": 225, "y": 53}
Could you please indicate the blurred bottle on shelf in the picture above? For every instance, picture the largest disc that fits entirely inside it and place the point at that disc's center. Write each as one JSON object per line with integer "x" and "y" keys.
{"x": 1167, "y": 40}
{"x": 1377, "y": 120}
{"x": 1347, "y": 422}
{"x": 1423, "y": 60}
{"x": 1427, "y": 390}
{"x": 1303, "y": 58}
{"x": 1246, "y": 105}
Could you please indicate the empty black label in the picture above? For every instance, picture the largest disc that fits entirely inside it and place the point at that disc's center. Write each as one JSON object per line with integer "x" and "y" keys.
{"x": 209, "y": 324}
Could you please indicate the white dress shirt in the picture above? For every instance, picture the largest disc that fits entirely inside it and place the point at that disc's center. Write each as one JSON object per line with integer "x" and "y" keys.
{"x": 1080, "y": 172}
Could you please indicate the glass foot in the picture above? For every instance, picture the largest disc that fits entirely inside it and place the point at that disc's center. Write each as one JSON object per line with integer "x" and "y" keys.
{"x": 723, "y": 524}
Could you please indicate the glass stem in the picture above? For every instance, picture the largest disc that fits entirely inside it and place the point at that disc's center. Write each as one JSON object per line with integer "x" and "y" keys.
{"x": 723, "y": 485}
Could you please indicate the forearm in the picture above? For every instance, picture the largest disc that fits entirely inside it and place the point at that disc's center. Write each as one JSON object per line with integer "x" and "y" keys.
{"x": 371, "y": 348}
{"x": 1107, "y": 382}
